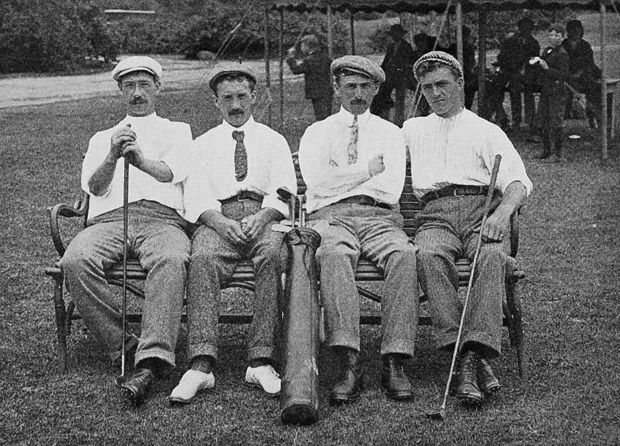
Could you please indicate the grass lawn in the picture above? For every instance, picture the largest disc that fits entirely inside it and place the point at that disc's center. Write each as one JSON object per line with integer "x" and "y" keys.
{"x": 570, "y": 236}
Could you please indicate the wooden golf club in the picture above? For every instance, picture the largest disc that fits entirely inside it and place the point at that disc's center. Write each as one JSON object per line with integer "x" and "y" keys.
{"x": 440, "y": 414}
{"x": 121, "y": 378}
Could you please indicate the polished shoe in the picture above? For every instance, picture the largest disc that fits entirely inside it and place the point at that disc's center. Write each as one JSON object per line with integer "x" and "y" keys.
{"x": 349, "y": 385}
{"x": 136, "y": 386}
{"x": 192, "y": 382}
{"x": 467, "y": 380}
{"x": 394, "y": 380}
{"x": 487, "y": 381}
{"x": 264, "y": 377}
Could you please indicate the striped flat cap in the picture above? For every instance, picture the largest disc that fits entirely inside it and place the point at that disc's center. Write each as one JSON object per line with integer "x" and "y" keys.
{"x": 440, "y": 57}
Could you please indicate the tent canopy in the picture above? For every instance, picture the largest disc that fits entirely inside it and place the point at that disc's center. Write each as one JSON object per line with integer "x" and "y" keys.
{"x": 422, "y": 6}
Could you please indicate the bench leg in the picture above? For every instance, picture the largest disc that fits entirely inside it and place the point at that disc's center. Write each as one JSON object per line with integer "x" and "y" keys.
{"x": 516, "y": 333}
{"x": 61, "y": 328}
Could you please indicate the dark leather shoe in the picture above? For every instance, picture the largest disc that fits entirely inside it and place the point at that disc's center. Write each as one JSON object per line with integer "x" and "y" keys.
{"x": 136, "y": 386}
{"x": 487, "y": 381}
{"x": 394, "y": 380}
{"x": 349, "y": 385}
{"x": 467, "y": 380}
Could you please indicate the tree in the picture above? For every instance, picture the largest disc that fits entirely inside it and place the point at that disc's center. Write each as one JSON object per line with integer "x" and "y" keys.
{"x": 50, "y": 35}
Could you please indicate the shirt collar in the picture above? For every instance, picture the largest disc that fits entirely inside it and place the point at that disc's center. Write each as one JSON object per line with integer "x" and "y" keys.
{"x": 346, "y": 117}
{"x": 452, "y": 118}
{"x": 138, "y": 119}
{"x": 244, "y": 128}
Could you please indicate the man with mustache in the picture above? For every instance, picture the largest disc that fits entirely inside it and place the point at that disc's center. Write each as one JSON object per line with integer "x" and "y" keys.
{"x": 230, "y": 193}
{"x": 353, "y": 163}
{"x": 157, "y": 150}
{"x": 452, "y": 153}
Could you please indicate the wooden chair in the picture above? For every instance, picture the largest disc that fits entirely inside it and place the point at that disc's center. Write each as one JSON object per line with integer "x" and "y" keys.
{"x": 243, "y": 276}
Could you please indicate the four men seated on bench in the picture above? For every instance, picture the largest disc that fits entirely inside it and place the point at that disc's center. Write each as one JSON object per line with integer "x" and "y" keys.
{"x": 354, "y": 165}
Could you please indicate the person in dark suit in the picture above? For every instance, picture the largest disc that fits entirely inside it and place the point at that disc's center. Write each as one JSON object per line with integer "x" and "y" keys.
{"x": 469, "y": 66}
{"x": 584, "y": 76}
{"x": 513, "y": 58}
{"x": 398, "y": 67}
{"x": 314, "y": 64}
{"x": 552, "y": 68}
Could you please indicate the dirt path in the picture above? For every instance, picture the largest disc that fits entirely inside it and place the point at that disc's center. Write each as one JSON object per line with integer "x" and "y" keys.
{"x": 178, "y": 74}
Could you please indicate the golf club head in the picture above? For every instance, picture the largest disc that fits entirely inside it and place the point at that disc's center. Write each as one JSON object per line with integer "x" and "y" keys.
{"x": 284, "y": 194}
{"x": 438, "y": 415}
{"x": 120, "y": 380}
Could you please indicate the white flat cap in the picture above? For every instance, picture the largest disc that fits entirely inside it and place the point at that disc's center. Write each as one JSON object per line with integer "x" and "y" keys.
{"x": 137, "y": 63}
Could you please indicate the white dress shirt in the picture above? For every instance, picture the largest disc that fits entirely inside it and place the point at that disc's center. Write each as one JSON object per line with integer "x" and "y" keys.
{"x": 323, "y": 160}
{"x": 270, "y": 166}
{"x": 160, "y": 140}
{"x": 460, "y": 150}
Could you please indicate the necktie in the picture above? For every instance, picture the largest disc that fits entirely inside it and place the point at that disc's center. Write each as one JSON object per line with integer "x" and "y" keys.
{"x": 352, "y": 147}
{"x": 241, "y": 156}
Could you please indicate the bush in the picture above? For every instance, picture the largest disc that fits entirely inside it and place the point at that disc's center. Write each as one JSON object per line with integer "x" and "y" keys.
{"x": 51, "y": 35}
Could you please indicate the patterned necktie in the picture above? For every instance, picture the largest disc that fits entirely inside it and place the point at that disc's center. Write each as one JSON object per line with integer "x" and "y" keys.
{"x": 352, "y": 147}
{"x": 241, "y": 156}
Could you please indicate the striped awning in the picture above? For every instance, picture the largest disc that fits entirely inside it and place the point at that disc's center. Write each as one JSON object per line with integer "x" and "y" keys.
{"x": 428, "y": 5}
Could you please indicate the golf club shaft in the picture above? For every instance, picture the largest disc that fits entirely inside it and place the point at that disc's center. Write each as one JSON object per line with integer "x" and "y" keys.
{"x": 125, "y": 233}
{"x": 487, "y": 208}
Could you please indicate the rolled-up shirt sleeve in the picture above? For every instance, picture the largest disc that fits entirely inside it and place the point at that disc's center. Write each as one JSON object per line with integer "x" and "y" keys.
{"x": 511, "y": 167}
{"x": 282, "y": 175}
{"x": 178, "y": 157}
{"x": 198, "y": 195}
{"x": 98, "y": 149}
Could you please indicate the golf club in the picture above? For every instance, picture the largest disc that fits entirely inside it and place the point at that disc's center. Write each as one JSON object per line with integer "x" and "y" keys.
{"x": 121, "y": 378}
{"x": 440, "y": 414}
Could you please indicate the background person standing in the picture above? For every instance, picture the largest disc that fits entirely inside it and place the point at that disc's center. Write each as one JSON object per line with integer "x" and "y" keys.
{"x": 314, "y": 64}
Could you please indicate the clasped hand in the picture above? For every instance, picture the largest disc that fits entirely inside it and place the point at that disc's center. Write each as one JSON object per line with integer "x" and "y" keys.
{"x": 241, "y": 232}
{"x": 123, "y": 144}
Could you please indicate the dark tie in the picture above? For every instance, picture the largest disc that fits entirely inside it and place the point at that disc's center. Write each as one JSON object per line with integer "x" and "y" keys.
{"x": 352, "y": 147}
{"x": 241, "y": 156}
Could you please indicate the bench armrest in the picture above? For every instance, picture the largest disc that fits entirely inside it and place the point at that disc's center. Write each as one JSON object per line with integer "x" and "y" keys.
{"x": 78, "y": 209}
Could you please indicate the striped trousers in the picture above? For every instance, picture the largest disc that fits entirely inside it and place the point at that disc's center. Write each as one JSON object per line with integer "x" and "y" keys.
{"x": 447, "y": 232}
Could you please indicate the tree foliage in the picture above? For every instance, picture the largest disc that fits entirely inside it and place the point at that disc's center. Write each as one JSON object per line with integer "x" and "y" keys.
{"x": 51, "y": 35}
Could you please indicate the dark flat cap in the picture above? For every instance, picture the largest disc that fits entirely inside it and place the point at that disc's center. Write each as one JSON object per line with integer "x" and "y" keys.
{"x": 358, "y": 65}
{"x": 240, "y": 70}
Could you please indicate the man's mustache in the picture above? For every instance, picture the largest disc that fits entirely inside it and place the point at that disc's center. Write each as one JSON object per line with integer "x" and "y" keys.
{"x": 358, "y": 102}
{"x": 137, "y": 101}
{"x": 236, "y": 111}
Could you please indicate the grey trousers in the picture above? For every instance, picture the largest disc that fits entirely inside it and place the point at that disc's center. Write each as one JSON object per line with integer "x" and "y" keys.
{"x": 446, "y": 232}
{"x": 156, "y": 236}
{"x": 377, "y": 234}
{"x": 213, "y": 261}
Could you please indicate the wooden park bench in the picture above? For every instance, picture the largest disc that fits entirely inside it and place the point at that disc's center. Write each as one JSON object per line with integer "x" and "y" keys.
{"x": 243, "y": 277}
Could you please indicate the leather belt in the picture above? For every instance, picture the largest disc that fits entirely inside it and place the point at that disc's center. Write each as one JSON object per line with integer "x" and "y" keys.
{"x": 454, "y": 191}
{"x": 365, "y": 200}
{"x": 243, "y": 195}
